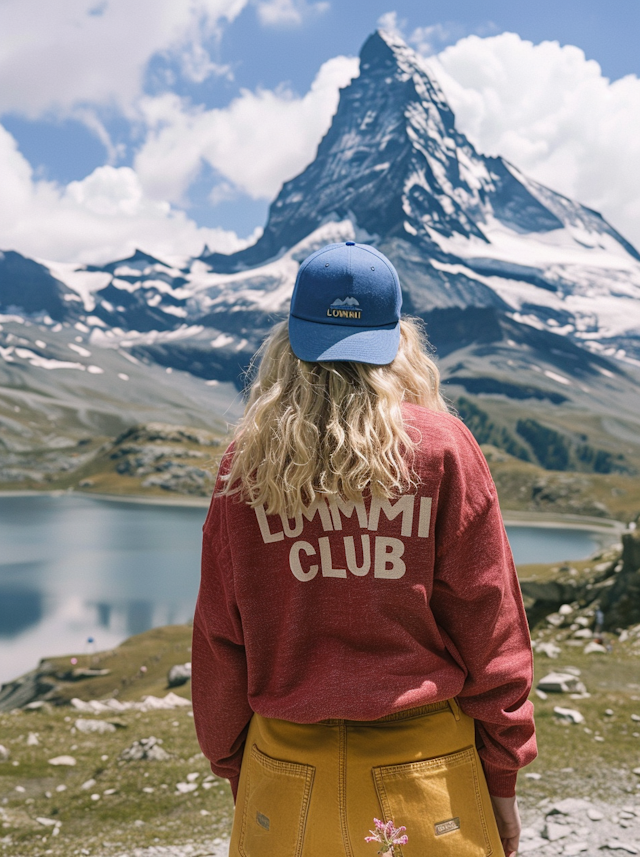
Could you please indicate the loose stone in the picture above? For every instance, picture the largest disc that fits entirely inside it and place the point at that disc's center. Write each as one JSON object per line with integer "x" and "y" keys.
{"x": 532, "y": 845}
{"x": 569, "y": 806}
{"x": 575, "y": 848}
{"x": 561, "y": 682}
{"x": 615, "y": 845}
{"x": 62, "y": 760}
{"x": 553, "y": 831}
{"x": 569, "y": 715}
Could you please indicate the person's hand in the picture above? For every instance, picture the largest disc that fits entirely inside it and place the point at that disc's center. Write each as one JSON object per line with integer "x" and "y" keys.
{"x": 508, "y": 820}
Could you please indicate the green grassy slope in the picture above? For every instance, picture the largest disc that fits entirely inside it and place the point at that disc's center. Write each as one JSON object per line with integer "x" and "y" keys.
{"x": 139, "y": 804}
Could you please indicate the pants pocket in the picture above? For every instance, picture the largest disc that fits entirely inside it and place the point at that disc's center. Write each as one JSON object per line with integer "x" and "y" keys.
{"x": 275, "y": 806}
{"x": 440, "y": 803}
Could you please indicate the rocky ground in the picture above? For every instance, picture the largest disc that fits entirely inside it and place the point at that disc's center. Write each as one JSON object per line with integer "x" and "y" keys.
{"x": 102, "y": 769}
{"x": 153, "y": 459}
{"x": 160, "y": 459}
{"x": 567, "y": 827}
{"x": 527, "y": 487}
{"x": 99, "y": 754}
{"x": 578, "y": 826}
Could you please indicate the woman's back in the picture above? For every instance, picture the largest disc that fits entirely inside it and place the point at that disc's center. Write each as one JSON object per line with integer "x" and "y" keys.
{"x": 356, "y": 570}
{"x": 350, "y": 609}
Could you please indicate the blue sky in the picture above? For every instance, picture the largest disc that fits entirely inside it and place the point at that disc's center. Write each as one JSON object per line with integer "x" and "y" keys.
{"x": 127, "y": 110}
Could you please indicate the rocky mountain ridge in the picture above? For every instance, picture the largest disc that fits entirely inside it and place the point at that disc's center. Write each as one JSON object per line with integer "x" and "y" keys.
{"x": 531, "y": 299}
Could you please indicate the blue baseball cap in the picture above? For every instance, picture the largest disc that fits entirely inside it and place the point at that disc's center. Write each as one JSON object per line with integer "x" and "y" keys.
{"x": 346, "y": 306}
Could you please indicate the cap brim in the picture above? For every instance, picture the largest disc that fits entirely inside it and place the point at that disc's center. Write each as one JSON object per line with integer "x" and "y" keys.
{"x": 314, "y": 341}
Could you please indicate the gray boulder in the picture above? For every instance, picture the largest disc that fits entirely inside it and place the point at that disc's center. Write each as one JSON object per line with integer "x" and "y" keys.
{"x": 179, "y": 674}
{"x": 145, "y": 748}
{"x": 99, "y": 726}
{"x": 39, "y": 684}
{"x": 561, "y": 682}
{"x": 569, "y": 806}
{"x": 621, "y": 602}
{"x": 568, "y": 715}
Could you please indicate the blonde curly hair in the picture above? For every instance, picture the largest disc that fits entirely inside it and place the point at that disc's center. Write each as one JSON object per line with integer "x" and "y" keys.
{"x": 331, "y": 429}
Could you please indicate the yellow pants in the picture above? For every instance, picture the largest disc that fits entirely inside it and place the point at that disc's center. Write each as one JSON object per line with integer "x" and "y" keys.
{"x": 313, "y": 789}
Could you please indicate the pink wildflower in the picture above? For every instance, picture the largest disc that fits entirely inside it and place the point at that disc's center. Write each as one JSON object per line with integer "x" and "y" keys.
{"x": 388, "y": 835}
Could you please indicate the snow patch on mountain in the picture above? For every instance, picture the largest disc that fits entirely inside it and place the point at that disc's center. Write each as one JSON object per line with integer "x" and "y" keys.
{"x": 479, "y": 247}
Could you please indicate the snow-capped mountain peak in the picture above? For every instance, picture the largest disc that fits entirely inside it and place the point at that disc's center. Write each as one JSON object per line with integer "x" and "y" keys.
{"x": 394, "y": 163}
{"x": 494, "y": 262}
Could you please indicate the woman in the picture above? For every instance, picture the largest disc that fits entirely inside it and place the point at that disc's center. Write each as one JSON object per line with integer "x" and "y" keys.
{"x": 360, "y": 646}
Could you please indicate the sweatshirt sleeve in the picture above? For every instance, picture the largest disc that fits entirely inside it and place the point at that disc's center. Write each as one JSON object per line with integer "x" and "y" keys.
{"x": 221, "y": 709}
{"x": 477, "y": 604}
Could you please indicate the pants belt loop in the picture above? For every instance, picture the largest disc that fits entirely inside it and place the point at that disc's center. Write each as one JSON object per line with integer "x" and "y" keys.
{"x": 455, "y": 707}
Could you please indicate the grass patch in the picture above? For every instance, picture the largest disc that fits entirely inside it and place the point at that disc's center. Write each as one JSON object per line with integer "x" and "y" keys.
{"x": 128, "y": 816}
{"x": 572, "y": 762}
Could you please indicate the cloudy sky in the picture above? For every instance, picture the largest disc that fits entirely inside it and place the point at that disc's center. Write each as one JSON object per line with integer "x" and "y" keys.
{"x": 166, "y": 124}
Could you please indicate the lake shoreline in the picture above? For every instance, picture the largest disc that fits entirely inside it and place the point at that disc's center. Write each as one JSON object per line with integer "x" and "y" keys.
{"x": 115, "y": 566}
{"x": 512, "y": 518}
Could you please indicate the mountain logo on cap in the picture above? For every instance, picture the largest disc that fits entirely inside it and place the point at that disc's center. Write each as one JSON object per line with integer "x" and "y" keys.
{"x": 345, "y": 308}
{"x": 346, "y": 302}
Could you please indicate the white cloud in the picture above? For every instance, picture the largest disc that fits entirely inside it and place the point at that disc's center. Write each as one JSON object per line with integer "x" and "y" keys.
{"x": 551, "y": 112}
{"x": 544, "y": 107}
{"x": 287, "y": 12}
{"x": 428, "y": 40}
{"x": 260, "y": 140}
{"x": 389, "y": 21}
{"x": 104, "y": 216}
{"x": 57, "y": 55}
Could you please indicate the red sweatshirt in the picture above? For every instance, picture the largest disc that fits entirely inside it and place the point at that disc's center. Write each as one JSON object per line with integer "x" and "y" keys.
{"x": 358, "y": 610}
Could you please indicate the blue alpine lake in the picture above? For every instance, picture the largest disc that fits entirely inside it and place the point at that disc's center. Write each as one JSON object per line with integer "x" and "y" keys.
{"x": 74, "y": 567}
